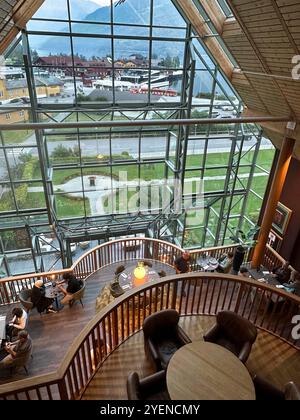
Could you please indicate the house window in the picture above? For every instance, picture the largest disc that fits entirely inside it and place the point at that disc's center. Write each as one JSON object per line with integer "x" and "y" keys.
{"x": 7, "y": 116}
{"x": 21, "y": 113}
{"x": 1, "y": 93}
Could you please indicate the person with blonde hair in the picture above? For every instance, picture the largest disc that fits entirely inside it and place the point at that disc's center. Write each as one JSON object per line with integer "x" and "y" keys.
{"x": 38, "y": 298}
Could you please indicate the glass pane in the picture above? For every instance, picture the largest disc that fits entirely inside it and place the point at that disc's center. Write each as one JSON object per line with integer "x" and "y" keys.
{"x": 132, "y": 12}
{"x": 71, "y": 205}
{"x": 165, "y": 12}
{"x": 46, "y": 10}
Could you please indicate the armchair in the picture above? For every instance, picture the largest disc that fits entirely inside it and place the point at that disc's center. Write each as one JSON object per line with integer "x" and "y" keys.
{"x": 233, "y": 332}
{"x": 25, "y": 299}
{"x": 163, "y": 336}
{"x": 265, "y": 391}
{"x": 152, "y": 387}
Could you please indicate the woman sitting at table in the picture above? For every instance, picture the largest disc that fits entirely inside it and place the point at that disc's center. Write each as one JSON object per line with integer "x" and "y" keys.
{"x": 225, "y": 263}
{"x": 18, "y": 322}
{"x": 39, "y": 300}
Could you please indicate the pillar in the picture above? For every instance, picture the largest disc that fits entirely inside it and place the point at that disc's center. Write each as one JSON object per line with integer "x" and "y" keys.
{"x": 274, "y": 196}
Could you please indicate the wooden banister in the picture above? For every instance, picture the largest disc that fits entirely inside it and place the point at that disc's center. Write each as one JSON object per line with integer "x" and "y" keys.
{"x": 108, "y": 329}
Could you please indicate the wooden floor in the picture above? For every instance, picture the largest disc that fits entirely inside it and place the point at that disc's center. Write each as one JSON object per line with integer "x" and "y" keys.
{"x": 52, "y": 334}
{"x": 271, "y": 357}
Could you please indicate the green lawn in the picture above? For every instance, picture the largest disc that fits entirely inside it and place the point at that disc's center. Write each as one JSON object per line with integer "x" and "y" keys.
{"x": 16, "y": 137}
{"x": 73, "y": 206}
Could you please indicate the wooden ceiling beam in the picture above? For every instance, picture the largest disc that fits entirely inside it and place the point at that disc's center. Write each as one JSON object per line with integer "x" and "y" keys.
{"x": 215, "y": 14}
{"x": 201, "y": 28}
{"x": 19, "y": 15}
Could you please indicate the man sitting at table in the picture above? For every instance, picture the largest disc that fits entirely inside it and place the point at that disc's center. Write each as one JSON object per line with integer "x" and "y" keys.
{"x": 16, "y": 350}
{"x": 182, "y": 264}
{"x": 225, "y": 263}
{"x": 294, "y": 282}
{"x": 74, "y": 285}
{"x": 282, "y": 273}
{"x": 244, "y": 272}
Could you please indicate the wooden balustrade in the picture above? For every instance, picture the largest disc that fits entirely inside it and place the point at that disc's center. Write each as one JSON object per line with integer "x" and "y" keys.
{"x": 215, "y": 252}
{"x": 119, "y": 251}
{"x": 269, "y": 308}
{"x": 272, "y": 259}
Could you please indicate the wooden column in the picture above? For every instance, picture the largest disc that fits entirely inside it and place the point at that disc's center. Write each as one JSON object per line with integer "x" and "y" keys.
{"x": 274, "y": 196}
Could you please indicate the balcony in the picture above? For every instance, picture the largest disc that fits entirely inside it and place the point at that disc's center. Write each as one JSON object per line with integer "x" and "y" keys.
{"x": 70, "y": 362}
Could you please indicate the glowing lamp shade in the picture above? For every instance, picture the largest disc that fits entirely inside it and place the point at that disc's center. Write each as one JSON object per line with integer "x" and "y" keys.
{"x": 139, "y": 272}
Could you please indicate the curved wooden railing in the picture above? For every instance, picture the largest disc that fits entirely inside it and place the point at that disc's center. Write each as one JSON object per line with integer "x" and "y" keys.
{"x": 108, "y": 253}
{"x": 125, "y": 250}
{"x": 206, "y": 294}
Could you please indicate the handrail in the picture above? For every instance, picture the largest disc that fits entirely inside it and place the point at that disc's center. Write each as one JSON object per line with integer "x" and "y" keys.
{"x": 143, "y": 123}
{"x": 122, "y": 250}
{"x": 98, "y": 257}
{"x": 206, "y": 294}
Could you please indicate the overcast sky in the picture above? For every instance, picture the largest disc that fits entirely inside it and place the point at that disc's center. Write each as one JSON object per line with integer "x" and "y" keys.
{"x": 103, "y": 2}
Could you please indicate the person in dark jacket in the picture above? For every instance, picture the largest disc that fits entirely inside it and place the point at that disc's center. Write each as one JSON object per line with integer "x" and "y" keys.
{"x": 38, "y": 298}
{"x": 282, "y": 273}
{"x": 74, "y": 285}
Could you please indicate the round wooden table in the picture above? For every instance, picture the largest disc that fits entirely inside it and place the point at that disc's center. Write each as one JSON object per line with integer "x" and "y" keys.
{"x": 128, "y": 281}
{"x": 207, "y": 371}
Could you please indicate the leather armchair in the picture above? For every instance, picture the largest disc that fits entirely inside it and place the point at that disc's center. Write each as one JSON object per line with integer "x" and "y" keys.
{"x": 25, "y": 299}
{"x": 152, "y": 387}
{"x": 233, "y": 332}
{"x": 163, "y": 336}
{"x": 265, "y": 391}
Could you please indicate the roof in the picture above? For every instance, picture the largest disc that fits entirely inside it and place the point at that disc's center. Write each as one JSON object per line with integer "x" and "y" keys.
{"x": 14, "y": 14}
{"x": 39, "y": 81}
{"x": 59, "y": 60}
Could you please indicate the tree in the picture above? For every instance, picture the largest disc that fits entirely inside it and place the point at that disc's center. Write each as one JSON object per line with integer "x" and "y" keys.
{"x": 176, "y": 62}
{"x": 167, "y": 62}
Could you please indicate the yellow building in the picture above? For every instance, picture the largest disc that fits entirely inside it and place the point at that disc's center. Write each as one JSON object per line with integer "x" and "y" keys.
{"x": 11, "y": 117}
{"x": 17, "y": 89}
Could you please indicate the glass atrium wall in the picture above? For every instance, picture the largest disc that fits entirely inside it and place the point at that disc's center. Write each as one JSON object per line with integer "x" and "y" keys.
{"x": 66, "y": 189}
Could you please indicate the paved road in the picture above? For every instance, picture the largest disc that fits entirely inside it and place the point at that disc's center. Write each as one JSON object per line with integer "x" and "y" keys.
{"x": 151, "y": 147}
{"x": 154, "y": 146}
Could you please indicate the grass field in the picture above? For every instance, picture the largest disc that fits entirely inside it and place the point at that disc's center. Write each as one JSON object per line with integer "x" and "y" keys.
{"x": 68, "y": 207}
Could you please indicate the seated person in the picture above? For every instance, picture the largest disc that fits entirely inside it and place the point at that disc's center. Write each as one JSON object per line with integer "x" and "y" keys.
{"x": 18, "y": 322}
{"x": 182, "y": 264}
{"x": 244, "y": 272}
{"x": 225, "y": 263}
{"x": 38, "y": 298}
{"x": 16, "y": 350}
{"x": 294, "y": 282}
{"x": 74, "y": 286}
{"x": 282, "y": 273}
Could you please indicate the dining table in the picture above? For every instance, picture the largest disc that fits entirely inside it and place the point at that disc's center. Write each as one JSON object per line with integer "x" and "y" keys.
{"x": 208, "y": 263}
{"x": 207, "y": 371}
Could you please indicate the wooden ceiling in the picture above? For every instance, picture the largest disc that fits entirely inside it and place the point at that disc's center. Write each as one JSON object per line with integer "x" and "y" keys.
{"x": 14, "y": 14}
{"x": 263, "y": 37}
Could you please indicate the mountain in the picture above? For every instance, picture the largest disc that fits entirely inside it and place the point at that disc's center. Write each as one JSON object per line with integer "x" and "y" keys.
{"x": 131, "y": 11}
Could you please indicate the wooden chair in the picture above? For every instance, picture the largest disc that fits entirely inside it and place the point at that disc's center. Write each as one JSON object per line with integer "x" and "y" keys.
{"x": 79, "y": 295}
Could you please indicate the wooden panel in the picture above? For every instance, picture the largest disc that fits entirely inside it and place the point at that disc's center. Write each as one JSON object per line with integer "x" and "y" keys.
{"x": 13, "y": 17}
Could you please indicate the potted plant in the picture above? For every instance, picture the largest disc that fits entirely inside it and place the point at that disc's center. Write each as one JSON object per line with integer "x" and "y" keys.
{"x": 246, "y": 241}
